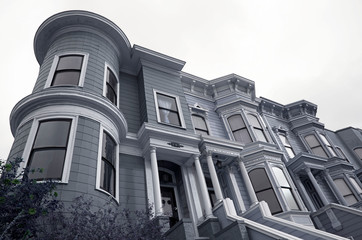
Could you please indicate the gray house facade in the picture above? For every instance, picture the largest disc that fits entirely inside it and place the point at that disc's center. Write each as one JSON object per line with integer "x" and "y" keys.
{"x": 111, "y": 120}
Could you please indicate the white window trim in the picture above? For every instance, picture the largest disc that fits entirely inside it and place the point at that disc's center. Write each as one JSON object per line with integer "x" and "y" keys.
{"x": 251, "y": 127}
{"x": 201, "y": 112}
{"x": 113, "y": 134}
{"x": 179, "y": 109}
{"x": 55, "y": 63}
{"x": 106, "y": 66}
{"x": 70, "y": 145}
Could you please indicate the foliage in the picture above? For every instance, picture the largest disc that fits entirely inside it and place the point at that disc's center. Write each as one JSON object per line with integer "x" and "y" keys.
{"x": 22, "y": 201}
{"x": 85, "y": 221}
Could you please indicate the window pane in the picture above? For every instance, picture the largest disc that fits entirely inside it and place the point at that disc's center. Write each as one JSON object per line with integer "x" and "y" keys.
{"x": 109, "y": 149}
{"x": 283, "y": 139}
{"x": 253, "y": 120}
{"x": 259, "y": 134}
{"x": 52, "y": 134}
{"x": 358, "y": 151}
{"x": 111, "y": 94}
{"x": 259, "y": 179}
{"x": 332, "y": 151}
{"x": 270, "y": 197}
{"x": 350, "y": 199}
{"x": 70, "y": 62}
{"x": 50, "y": 161}
{"x": 319, "y": 151}
{"x": 112, "y": 80}
{"x": 66, "y": 78}
{"x": 279, "y": 174}
{"x": 169, "y": 117}
{"x": 290, "y": 152}
{"x": 242, "y": 136}
{"x": 340, "y": 153}
{"x": 342, "y": 187}
{"x": 107, "y": 178}
{"x": 199, "y": 122}
{"x": 290, "y": 199}
{"x": 355, "y": 184}
{"x": 236, "y": 122}
{"x": 166, "y": 102}
{"x": 312, "y": 141}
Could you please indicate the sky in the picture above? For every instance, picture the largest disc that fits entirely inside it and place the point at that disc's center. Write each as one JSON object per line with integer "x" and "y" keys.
{"x": 292, "y": 49}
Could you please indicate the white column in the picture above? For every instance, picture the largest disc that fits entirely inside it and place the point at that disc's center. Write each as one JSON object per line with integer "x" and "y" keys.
{"x": 304, "y": 193}
{"x": 316, "y": 186}
{"x": 156, "y": 182}
{"x": 214, "y": 178}
{"x": 334, "y": 187}
{"x": 247, "y": 182}
{"x": 204, "y": 193}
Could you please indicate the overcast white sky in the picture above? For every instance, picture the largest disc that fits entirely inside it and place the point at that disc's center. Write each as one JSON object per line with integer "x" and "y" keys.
{"x": 292, "y": 49}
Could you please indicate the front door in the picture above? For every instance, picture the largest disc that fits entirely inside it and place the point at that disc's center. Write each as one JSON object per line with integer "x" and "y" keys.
{"x": 169, "y": 204}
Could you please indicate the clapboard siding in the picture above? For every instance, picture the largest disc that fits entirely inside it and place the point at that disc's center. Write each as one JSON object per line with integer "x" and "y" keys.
{"x": 21, "y": 136}
{"x": 129, "y": 101}
{"x": 99, "y": 50}
{"x": 169, "y": 83}
{"x": 216, "y": 125}
{"x": 132, "y": 182}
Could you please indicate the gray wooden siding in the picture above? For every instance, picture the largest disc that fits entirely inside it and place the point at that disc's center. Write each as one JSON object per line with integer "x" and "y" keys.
{"x": 244, "y": 194}
{"x": 129, "y": 101}
{"x": 169, "y": 83}
{"x": 21, "y": 136}
{"x": 142, "y": 99}
{"x": 100, "y": 51}
{"x": 132, "y": 182}
{"x": 294, "y": 140}
{"x": 326, "y": 189}
{"x": 216, "y": 125}
{"x": 82, "y": 178}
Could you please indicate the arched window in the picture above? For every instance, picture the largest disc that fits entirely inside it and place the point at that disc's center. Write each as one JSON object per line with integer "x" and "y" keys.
{"x": 257, "y": 128}
{"x": 358, "y": 151}
{"x": 286, "y": 189}
{"x": 200, "y": 125}
{"x": 264, "y": 190}
{"x": 239, "y": 129}
{"x": 345, "y": 191}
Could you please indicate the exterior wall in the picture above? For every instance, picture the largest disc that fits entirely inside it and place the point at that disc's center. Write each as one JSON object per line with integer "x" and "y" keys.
{"x": 168, "y": 83}
{"x": 216, "y": 125}
{"x": 100, "y": 51}
{"x": 20, "y": 140}
{"x": 129, "y": 103}
{"x": 132, "y": 182}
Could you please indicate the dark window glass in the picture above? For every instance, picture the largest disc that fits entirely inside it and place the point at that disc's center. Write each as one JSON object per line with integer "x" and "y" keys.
{"x": 264, "y": 190}
{"x": 313, "y": 194}
{"x": 200, "y": 125}
{"x": 47, "y": 156}
{"x": 68, "y": 70}
{"x": 239, "y": 129}
{"x": 315, "y": 146}
{"x": 167, "y": 108}
{"x": 210, "y": 190}
{"x": 108, "y": 170}
{"x": 111, "y": 87}
{"x": 258, "y": 129}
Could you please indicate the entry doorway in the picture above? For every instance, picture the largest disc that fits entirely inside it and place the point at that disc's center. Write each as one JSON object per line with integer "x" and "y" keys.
{"x": 169, "y": 204}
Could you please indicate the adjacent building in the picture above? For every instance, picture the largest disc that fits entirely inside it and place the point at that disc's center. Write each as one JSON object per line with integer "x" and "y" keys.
{"x": 111, "y": 120}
